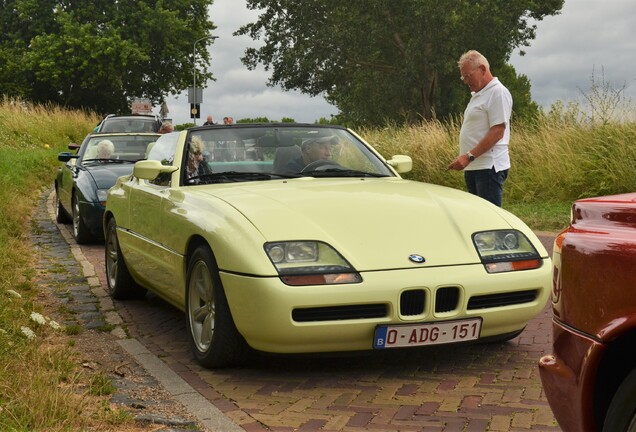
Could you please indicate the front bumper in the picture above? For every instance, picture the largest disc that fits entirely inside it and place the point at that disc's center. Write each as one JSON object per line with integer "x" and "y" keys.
{"x": 263, "y": 309}
{"x": 568, "y": 377}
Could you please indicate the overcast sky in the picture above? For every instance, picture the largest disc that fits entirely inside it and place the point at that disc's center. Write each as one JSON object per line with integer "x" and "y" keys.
{"x": 589, "y": 37}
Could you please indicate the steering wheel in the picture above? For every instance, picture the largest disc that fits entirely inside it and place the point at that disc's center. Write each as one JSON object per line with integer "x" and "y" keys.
{"x": 322, "y": 164}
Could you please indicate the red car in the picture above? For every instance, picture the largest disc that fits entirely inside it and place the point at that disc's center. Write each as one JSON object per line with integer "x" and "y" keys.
{"x": 590, "y": 379}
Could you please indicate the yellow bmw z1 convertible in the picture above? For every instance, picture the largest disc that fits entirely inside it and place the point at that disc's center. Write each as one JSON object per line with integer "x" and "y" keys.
{"x": 297, "y": 238}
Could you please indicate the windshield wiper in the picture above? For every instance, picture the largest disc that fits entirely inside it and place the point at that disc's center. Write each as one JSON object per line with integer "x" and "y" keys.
{"x": 340, "y": 172}
{"x": 235, "y": 176}
{"x": 109, "y": 160}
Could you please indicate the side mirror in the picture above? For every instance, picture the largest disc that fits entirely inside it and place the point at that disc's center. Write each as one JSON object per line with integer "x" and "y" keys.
{"x": 66, "y": 156}
{"x": 150, "y": 169}
{"x": 401, "y": 163}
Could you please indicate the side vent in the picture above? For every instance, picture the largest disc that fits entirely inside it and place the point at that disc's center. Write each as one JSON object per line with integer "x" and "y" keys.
{"x": 503, "y": 299}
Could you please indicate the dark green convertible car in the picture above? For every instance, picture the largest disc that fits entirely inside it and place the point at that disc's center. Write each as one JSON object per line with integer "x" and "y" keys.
{"x": 86, "y": 175}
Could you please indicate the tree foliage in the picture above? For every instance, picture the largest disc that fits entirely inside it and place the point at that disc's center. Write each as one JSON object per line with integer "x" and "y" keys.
{"x": 389, "y": 60}
{"x": 101, "y": 54}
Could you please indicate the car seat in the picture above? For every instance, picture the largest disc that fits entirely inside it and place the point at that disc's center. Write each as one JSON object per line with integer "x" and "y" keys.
{"x": 283, "y": 156}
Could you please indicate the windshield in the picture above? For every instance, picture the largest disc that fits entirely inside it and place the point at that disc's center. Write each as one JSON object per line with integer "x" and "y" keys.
{"x": 262, "y": 152}
{"x": 130, "y": 148}
{"x": 129, "y": 124}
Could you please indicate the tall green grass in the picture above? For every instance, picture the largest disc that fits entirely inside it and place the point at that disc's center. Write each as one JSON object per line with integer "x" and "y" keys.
{"x": 553, "y": 162}
{"x": 42, "y": 385}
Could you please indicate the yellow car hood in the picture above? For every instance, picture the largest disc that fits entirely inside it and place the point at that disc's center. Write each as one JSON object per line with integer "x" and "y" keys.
{"x": 374, "y": 223}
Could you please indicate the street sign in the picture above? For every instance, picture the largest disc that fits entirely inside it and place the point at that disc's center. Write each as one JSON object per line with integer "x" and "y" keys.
{"x": 195, "y": 99}
{"x": 141, "y": 106}
{"x": 195, "y": 111}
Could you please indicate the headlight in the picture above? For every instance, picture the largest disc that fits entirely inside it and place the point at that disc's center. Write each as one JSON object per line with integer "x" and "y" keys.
{"x": 506, "y": 250}
{"x": 101, "y": 196}
{"x": 310, "y": 263}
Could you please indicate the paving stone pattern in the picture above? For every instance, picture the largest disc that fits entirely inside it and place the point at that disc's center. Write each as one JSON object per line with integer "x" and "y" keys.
{"x": 65, "y": 272}
{"x": 481, "y": 387}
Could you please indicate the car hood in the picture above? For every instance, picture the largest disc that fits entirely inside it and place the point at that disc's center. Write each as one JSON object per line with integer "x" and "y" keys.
{"x": 610, "y": 211}
{"x": 373, "y": 223}
{"x": 105, "y": 175}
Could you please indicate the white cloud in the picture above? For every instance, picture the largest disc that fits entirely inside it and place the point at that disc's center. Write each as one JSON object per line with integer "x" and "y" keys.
{"x": 589, "y": 36}
{"x": 237, "y": 91}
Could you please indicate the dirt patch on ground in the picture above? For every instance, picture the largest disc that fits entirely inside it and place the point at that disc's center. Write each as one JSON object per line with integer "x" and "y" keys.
{"x": 66, "y": 296}
{"x": 98, "y": 354}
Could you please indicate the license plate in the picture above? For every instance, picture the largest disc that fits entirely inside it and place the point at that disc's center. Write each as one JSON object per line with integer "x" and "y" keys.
{"x": 395, "y": 336}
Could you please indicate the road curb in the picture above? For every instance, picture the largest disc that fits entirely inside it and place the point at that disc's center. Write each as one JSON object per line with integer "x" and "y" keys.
{"x": 209, "y": 415}
{"x": 198, "y": 406}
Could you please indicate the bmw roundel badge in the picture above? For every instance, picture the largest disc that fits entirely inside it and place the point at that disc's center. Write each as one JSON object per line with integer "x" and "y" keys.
{"x": 417, "y": 259}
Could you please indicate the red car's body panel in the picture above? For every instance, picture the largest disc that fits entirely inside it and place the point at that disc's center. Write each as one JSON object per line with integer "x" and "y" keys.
{"x": 594, "y": 307}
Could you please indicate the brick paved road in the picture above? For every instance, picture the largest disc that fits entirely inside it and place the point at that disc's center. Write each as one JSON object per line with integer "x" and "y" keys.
{"x": 492, "y": 387}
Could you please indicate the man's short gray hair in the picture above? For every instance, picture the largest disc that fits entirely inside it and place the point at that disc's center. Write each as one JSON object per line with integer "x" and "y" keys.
{"x": 474, "y": 58}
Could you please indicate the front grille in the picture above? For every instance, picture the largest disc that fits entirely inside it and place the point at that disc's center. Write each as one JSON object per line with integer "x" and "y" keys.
{"x": 502, "y": 299}
{"x": 334, "y": 313}
{"x": 412, "y": 302}
{"x": 446, "y": 299}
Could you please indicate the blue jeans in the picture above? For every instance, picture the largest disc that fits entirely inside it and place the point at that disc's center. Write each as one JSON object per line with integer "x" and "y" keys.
{"x": 487, "y": 184}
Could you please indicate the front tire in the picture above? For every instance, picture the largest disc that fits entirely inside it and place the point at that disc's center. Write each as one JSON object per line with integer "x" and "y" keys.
{"x": 80, "y": 231}
{"x": 621, "y": 414}
{"x": 214, "y": 339}
{"x": 121, "y": 285}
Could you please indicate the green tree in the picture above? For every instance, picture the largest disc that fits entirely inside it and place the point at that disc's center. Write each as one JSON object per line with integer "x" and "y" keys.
{"x": 387, "y": 60}
{"x": 101, "y": 54}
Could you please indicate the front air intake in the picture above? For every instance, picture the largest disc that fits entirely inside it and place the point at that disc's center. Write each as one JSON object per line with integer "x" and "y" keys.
{"x": 412, "y": 302}
{"x": 446, "y": 299}
{"x": 502, "y": 299}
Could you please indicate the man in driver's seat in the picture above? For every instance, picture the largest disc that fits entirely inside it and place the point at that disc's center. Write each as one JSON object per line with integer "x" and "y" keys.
{"x": 313, "y": 149}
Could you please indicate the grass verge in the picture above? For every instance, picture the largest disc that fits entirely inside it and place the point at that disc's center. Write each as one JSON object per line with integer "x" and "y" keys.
{"x": 42, "y": 384}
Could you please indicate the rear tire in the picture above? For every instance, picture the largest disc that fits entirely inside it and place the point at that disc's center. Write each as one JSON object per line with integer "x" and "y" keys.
{"x": 214, "y": 339}
{"x": 121, "y": 285}
{"x": 621, "y": 414}
{"x": 80, "y": 231}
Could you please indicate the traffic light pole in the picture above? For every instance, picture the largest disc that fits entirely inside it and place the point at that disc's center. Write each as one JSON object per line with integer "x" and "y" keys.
{"x": 194, "y": 109}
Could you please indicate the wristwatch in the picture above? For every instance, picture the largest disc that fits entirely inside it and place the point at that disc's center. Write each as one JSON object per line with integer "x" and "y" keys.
{"x": 471, "y": 157}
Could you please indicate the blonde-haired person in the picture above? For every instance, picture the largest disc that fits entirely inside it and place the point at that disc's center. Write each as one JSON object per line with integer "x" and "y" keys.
{"x": 105, "y": 149}
{"x": 195, "y": 159}
{"x": 485, "y": 131}
{"x": 166, "y": 127}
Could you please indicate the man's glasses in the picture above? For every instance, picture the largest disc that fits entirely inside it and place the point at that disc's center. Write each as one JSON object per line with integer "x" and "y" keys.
{"x": 465, "y": 77}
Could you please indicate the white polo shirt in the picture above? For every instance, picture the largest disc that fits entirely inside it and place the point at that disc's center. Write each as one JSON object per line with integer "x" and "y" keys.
{"x": 488, "y": 107}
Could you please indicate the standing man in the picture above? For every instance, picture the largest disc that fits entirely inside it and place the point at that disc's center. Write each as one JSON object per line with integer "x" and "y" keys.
{"x": 485, "y": 131}
{"x": 209, "y": 121}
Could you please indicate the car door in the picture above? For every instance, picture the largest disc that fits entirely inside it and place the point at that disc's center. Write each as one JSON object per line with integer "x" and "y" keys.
{"x": 155, "y": 262}
{"x": 66, "y": 180}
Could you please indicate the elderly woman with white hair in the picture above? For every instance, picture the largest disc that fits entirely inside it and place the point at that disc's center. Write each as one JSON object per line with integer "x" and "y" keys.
{"x": 105, "y": 149}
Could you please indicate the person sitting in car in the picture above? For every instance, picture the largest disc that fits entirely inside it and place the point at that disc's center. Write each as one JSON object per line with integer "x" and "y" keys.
{"x": 196, "y": 164}
{"x": 105, "y": 149}
{"x": 312, "y": 149}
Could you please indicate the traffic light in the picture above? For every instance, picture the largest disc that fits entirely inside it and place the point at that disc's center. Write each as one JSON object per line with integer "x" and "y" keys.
{"x": 195, "y": 112}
